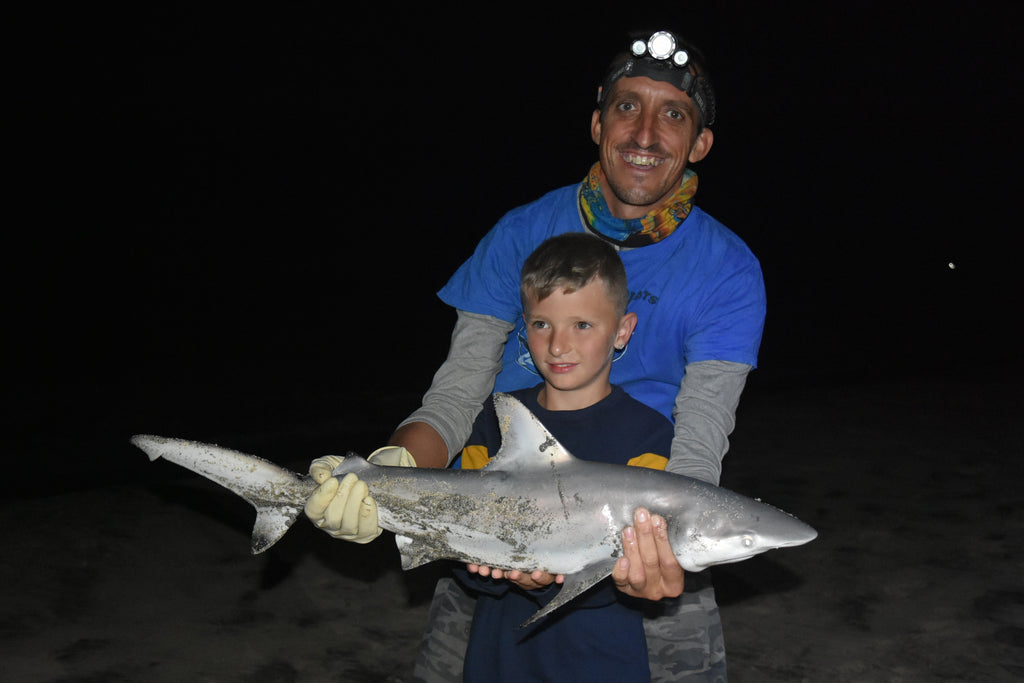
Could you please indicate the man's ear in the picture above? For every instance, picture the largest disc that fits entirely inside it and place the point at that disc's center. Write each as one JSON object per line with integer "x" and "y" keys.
{"x": 702, "y": 145}
{"x": 595, "y": 127}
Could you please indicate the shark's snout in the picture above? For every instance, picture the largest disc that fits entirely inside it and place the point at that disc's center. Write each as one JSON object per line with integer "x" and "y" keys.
{"x": 786, "y": 531}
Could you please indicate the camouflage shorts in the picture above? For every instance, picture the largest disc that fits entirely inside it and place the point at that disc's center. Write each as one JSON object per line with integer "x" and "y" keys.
{"x": 684, "y": 636}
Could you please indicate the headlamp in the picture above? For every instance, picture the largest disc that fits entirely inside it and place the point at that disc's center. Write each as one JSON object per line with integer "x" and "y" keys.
{"x": 661, "y": 45}
{"x": 663, "y": 57}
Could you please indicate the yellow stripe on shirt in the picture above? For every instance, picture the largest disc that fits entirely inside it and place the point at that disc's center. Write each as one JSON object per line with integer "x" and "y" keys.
{"x": 651, "y": 460}
{"x": 476, "y": 457}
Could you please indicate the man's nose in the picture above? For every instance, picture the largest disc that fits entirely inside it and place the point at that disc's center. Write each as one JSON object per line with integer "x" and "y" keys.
{"x": 645, "y": 131}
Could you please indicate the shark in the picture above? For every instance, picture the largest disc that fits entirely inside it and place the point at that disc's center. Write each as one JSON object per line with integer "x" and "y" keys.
{"x": 534, "y": 506}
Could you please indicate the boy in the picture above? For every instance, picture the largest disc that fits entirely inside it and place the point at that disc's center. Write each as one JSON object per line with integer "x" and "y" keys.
{"x": 574, "y": 295}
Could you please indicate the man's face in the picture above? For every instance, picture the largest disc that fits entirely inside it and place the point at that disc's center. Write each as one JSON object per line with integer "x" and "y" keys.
{"x": 646, "y": 137}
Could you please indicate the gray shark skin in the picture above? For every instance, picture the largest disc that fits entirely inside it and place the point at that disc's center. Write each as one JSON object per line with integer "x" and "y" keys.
{"x": 534, "y": 506}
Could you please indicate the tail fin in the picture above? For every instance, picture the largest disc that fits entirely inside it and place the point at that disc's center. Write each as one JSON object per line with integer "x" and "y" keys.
{"x": 279, "y": 495}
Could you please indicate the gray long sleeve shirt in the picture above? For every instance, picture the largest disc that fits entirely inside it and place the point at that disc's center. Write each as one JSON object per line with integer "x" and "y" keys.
{"x": 704, "y": 412}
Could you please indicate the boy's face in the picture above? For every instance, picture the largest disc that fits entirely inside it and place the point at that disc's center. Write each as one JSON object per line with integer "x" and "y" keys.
{"x": 571, "y": 338}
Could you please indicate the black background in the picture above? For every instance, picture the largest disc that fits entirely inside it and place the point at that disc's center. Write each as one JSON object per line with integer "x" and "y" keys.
{"x": 233, "y": 221}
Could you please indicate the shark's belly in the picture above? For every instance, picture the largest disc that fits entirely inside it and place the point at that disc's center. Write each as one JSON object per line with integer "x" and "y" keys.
{"x": 482, "y": 520}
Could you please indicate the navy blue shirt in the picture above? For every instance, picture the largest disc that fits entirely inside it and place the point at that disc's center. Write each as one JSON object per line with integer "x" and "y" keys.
{"x": 598, "y": 636}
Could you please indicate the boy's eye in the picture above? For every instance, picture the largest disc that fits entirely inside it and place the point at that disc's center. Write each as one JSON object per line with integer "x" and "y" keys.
{"x": 582, "y": 325}
{"x": 538, "y": 324}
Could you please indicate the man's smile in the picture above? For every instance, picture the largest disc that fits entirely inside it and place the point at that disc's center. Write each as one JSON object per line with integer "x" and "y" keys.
{"x": 638, "y": 159}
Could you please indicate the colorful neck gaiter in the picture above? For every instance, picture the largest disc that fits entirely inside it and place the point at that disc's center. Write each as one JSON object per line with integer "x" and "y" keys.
{"x": 635, "y": 232}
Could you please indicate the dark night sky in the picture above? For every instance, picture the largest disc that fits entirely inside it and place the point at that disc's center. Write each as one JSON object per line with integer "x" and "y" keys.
{"x": 256, "y": 197}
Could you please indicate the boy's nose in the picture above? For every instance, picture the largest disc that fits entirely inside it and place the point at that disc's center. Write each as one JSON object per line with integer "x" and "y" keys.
{"x": 558, "y": 344}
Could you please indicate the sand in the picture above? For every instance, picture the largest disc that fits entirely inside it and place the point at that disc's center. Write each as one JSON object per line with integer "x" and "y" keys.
{"x": 144, "y": 574}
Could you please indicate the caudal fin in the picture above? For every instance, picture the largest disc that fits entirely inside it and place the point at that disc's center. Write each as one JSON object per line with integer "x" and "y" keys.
{"x": 279, "y": 495}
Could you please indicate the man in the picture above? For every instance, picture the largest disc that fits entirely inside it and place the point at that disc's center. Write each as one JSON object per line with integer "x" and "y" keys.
{"x": 694, "y": 283}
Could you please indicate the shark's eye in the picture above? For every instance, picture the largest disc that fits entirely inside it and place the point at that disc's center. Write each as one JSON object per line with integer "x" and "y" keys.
{"x": 748, "y": 541}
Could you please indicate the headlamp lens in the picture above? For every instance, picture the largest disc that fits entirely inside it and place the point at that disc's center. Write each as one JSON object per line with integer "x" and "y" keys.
{"x": 661, "y": 45}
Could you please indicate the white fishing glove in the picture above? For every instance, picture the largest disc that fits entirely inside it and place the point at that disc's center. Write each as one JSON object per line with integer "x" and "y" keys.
{"x": 344, "y": 509}
{"x": 392, "y": 456}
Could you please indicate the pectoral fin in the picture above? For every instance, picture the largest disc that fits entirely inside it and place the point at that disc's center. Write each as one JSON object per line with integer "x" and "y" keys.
{"x": 574, "y": 585}
{"x": 419, "y": 550}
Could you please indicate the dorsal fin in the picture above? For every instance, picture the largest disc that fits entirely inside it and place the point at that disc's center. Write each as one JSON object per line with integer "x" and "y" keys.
{"x": 525, "y": 443}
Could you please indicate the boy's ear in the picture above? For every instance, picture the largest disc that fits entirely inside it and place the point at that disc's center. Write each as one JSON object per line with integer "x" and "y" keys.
{"x": 626, "y": 326}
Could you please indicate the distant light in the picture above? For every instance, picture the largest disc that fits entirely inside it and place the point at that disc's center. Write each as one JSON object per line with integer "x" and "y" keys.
{"x": 952, "y": 266}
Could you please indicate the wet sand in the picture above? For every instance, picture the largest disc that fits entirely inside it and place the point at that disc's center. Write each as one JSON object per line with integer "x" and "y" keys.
{"x": 913, "y": 483}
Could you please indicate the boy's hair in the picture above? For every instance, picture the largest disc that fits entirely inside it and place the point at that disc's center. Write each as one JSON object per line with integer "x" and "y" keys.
{"x": 569, "y": 262}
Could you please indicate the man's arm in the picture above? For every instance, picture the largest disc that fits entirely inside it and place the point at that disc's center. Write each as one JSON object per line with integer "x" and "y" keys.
{"x": 705, "y": 415}
{"x": 425, "y": 439}
{"x": 438, "y": 429}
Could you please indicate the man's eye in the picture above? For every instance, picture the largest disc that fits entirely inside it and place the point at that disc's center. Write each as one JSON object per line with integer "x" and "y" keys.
{"x": 678, "y": 114}
{"x": 583, "y": 326}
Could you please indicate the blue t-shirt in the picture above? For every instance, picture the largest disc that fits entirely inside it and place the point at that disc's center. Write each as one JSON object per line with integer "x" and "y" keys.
{"x": 698, "y": 295}
{"x": 599, "y": 635}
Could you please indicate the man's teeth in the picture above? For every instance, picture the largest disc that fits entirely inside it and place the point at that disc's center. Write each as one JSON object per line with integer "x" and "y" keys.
{"x": 640, "y": 160}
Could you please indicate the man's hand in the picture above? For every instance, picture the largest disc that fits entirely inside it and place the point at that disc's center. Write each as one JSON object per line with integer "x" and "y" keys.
{"x": 344, "y": 509}
{"x": 648, "y": 568}
{"x": 392, "y": 456}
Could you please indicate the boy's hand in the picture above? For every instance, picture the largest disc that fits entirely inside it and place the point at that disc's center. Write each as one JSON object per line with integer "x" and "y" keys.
{"x": 648, "y": 568}
{"x": 533, "y": 580}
